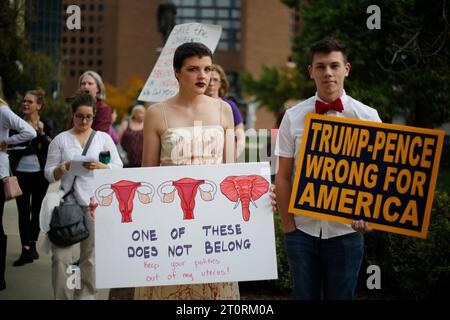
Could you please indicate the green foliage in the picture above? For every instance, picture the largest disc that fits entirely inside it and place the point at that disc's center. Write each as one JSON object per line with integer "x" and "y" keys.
{"x": 401, "y": 68}
{"x": 59, "y": 112}
{"x": 38, "y": 73}
{"x": 291, "y": 3}
{"x": 283, "y": 283}
{"x": 22, "y": 70}
{"x": 443, "y": 179}
{"x": 12, "y": 48}
{"x": 272, "y": 288}
{"x": 273, "y": 88}
{"x": 415, "y": 268}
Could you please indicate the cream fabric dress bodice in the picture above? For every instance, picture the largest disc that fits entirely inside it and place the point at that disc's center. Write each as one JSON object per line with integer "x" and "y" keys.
{"x": 191, "y": 146}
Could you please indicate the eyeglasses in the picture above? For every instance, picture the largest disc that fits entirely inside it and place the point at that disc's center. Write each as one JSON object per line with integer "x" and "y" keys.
{"x": 81, "y": 117}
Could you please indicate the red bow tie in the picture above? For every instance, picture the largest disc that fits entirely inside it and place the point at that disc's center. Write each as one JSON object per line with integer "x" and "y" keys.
{"x": 322, "y": 107}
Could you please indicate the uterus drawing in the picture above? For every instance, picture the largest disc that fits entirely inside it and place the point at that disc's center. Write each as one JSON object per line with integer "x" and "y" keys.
{"x": 187, "y": 190}
{"x": 244, "y": 189}
{"x": 125, "y": 191}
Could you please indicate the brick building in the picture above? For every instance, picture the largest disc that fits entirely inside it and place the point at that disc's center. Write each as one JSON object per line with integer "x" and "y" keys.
{"x": 120, "y": 39}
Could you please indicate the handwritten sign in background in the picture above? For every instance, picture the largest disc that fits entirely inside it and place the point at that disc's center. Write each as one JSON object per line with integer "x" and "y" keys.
{"x": 162, "y": 83}
{"x": 382, "y": 173}
{"x": 180, "y": 251}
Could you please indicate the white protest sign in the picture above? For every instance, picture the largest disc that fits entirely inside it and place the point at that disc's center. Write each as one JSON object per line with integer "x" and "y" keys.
{"x": 162, "y": 84}
{"x": 184, "y": 225}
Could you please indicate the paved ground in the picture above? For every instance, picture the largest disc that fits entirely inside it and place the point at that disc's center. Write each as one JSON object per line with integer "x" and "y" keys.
{"x": 33, "y": 280}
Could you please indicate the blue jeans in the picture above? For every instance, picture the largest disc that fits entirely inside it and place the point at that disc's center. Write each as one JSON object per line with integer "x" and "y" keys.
{"x": 328, "y": 266}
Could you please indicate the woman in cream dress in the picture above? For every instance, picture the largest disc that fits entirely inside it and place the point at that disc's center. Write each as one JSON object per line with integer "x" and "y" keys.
{"x": 189, "y": 128}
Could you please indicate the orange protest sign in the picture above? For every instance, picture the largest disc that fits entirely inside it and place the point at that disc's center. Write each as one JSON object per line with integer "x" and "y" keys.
{"x": 382, "y": 173}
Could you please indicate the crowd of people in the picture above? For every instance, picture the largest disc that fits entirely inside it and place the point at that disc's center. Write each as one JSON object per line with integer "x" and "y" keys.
{"x": 324, "y": 257}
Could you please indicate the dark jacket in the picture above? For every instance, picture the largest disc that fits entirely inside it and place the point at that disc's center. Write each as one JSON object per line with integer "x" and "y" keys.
{"x": 37, "y": 146}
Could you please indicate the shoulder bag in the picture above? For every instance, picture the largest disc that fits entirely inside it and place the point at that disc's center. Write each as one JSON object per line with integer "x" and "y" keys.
{"x": 68, "y": 224}
{"x": 11, "y": 187}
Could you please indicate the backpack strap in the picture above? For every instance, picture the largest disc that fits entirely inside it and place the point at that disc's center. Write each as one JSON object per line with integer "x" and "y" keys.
{"x": 88, "y": 143}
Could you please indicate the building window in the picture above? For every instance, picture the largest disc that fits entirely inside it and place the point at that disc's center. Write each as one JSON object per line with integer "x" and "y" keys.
{"x": 226, "y": 13}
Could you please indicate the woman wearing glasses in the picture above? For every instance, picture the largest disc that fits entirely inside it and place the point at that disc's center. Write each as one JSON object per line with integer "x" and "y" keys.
{"x": 61, "y": 151}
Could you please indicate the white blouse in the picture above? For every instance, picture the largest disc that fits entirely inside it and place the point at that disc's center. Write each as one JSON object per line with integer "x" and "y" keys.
{"x": 64, "y": 147}
{"x": 9, "y": 120}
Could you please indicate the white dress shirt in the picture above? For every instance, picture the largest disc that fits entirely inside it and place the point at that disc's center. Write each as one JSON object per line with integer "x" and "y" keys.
{"x": 288, "y": 145}
{"x": 9, "y": 120}
{"x": 64, "y": 147}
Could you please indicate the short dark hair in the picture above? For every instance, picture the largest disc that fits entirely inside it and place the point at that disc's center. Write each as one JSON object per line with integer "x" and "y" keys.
{"x": 187, "y": 50}
{"x": 327, "y": 45}
{"x": 83, "y": 99}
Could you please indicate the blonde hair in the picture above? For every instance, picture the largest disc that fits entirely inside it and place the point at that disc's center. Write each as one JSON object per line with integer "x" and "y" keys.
{"x": 224, "y": 84}
{"x": 3, "y": 101}
{"x": 136, "y": 108}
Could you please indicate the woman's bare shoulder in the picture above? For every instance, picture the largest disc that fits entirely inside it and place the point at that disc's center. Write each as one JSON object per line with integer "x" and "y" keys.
{"x": 153, "y": 114}
{"x": 155, "y": 110}
{"x": 211, "y": 101}
{"x": 156, "y": 116}
{"x": 227, "y": 114}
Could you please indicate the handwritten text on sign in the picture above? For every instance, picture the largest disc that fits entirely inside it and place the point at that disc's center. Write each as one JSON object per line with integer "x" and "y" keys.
{"x": 162, "y": 83}
{"x": 184, "y": 225}
{"x": 350, "y": 169}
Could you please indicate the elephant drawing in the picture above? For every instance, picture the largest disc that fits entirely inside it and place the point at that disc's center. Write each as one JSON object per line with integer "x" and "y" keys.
{"x": 125, "y": 191}
{"x": 187, "y": 190}
{"x": 244, "y": 189}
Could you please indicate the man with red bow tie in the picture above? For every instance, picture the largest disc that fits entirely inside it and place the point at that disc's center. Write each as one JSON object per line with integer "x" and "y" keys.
{"x": 324, "y": 256}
